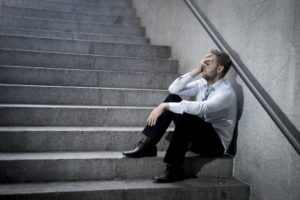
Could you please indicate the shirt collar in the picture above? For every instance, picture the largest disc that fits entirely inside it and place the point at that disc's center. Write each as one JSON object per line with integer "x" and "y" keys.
{"x": 215, "y": 85}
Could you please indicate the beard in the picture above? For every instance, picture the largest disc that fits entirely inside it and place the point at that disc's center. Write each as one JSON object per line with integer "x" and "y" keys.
{"x": 211, "y": 76}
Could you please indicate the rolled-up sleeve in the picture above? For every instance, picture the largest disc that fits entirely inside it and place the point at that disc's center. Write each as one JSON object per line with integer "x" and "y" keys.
{"x": 218, "y": 102}
{"x": 182, "y": 86}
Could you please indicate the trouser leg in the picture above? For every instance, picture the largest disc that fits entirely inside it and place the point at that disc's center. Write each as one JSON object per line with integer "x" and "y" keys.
{"x": 157, "y": 131}
{"x": 191, "y": 128}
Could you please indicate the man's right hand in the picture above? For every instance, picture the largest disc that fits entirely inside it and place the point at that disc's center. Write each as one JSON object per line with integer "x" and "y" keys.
{"x": 199, "y": 68}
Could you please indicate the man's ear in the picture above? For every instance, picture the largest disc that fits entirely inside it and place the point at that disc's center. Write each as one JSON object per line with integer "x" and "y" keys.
{"x": 220, "y": 69}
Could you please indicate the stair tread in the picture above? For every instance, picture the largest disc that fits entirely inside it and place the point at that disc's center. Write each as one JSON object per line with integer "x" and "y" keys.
{"x": 79, "y": 87}
{"x": 99, "y": 34}
{"x": 81, "y": 54}
{"x": 86, "y": 70}
{"x": 83, "y": 41}
{"x": 104, "y": 185}
{"x": 80, "y": 155}
{"x": 71, "y": 128}
{"x": 88, "y": 3}
{"x": 70, "y": 21}
{"x": 74, "y": 12}
{"x": 6, "y": 105}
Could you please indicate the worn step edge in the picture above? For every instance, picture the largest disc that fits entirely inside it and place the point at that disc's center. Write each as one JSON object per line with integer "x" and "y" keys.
{"x": 80, "y": 87}
{"x": 82, "y": 54}
{"x": 72, "y": 106}
{"x": 14, "y": 93}
{"x": 94, "y": 165}
{"x": 67, "y": 4}
{"x": 124, "y": 3}
{"x": 70, "y": 21}
{"x": 67, "y": 35}
{"x": 122, "y": 185}
{"x": 85, "y": 47}
{"x": 71, "y": 16}
{"x": 84, "y": 9}
{"x": 45, "y": 139}
{"x": 79, "y": 40}
{"x": 69, "y": 26}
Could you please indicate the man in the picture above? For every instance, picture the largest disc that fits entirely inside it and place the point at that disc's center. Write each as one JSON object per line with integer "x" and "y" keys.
{"x": 205, "y": 126}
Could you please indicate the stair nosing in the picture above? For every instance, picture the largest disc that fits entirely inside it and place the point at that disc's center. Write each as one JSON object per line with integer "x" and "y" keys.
{"x": 82, "y": 155}
{"x": 60, "y": 20}
{"x": 92, "y": 55}
{"x": 121, "y": 184}
{"x": 86, "y": 70}
{"x": 73, "y": 33}
{"x": 17, "y": 105}
{"x": 84, "y": 41}
{"x": 85, "y": 4}
{"x": 75, "y": 12}
{"x": 81, "y": 87}
{"x": 72, "y": 128}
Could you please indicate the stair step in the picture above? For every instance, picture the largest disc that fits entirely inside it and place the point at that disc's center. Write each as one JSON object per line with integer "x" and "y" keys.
{"x": 74, "y": 35}
{"x": 63, "y": 166}
{"x": 65, "y": 15}
{"x": 85, "y": 61}
{"x": 42, "y": 139}
{"x": 71, "y": 115}
{"x": 116, "y": 3}
{"x": 208, "y": 188}
{"x": 90, "y": 78}
{"x": 70, "y": 95}
{"x": 70, "y": 26}
{"x": 84, "y": 47}
{"x": 82, "y": 8}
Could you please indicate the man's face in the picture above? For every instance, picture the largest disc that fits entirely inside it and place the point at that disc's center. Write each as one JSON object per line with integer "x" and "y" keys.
{"x": 210, "y": 69}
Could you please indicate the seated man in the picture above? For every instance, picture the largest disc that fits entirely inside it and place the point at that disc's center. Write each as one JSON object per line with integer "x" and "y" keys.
{"x": 207, "y": 123}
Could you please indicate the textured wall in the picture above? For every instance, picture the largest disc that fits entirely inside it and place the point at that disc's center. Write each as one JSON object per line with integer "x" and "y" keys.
{"x": 266, "y": 34}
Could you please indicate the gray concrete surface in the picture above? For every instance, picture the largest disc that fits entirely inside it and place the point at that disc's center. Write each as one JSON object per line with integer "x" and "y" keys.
{"x": 83, "y": 141}
{"x": 49, "y": 139}
{"x": 70, "y": 95}
{"x": 85, "y": 62}
{"x": 220, "y": 188}
{"x": 69, "y": 26}
{"x": 115, "y": 3}
{"x": 66, "y": 166}
{"x": 66, "y": 115}
{"x": 266, "y": 36}
{"x": 75, "y": 35}
{"x": 84, "y": 47}
{"x": 65, "y": 15}
{"x": 92, "y": 78}
{"x": 79, "y": 8}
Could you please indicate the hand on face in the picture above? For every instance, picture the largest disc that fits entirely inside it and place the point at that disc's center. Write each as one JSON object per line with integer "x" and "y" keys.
{"x": 208, "y": 58}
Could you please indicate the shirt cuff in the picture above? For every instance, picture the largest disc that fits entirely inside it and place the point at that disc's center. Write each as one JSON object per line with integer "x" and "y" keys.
{"x": 176, "y": 108}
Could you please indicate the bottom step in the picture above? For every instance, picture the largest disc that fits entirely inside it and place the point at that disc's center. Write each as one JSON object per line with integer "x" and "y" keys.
{"x": 207, "y": 188}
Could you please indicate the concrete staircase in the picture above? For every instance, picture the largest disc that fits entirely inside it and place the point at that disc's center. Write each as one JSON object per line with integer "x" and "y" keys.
{"x": 77, "y": 82}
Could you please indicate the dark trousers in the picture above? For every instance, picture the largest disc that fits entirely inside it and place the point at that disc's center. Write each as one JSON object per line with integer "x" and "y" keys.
{"x": 188, "y": 129}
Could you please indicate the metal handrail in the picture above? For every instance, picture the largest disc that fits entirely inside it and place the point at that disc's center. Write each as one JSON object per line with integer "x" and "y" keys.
{"x": 277, "y": 115}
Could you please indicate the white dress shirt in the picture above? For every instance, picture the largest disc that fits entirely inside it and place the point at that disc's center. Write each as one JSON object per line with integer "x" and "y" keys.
{"x": 219, "y": 109}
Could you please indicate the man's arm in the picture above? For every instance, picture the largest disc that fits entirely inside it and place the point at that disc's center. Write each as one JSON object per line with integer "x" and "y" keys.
{"x": 156, "y": 113}
{"x": 174, "y": 89}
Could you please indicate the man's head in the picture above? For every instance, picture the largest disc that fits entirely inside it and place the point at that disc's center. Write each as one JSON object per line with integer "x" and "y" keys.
{"x": 218, "y": 65}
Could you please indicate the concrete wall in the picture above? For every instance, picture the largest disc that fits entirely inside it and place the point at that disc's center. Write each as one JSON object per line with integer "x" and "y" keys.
{"x": 266, "y": 35}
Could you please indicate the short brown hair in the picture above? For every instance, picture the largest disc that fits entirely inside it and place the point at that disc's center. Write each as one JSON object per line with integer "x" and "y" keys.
{"x": 222, "y": 60}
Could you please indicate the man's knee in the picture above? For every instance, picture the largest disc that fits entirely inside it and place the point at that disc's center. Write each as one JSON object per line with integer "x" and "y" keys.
{"x": 173, "y": 98}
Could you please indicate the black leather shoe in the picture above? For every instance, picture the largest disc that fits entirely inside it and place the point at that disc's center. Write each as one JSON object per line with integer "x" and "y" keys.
{"x": 171, "y": 174}
{"x": 144, "y": 149}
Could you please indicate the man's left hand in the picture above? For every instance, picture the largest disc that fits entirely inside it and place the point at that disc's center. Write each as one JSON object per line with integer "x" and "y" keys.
{"x": 156, "y": 113}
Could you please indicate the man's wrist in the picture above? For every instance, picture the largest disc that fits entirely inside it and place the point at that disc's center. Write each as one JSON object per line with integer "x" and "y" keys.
{"x": 165, "y": 106}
